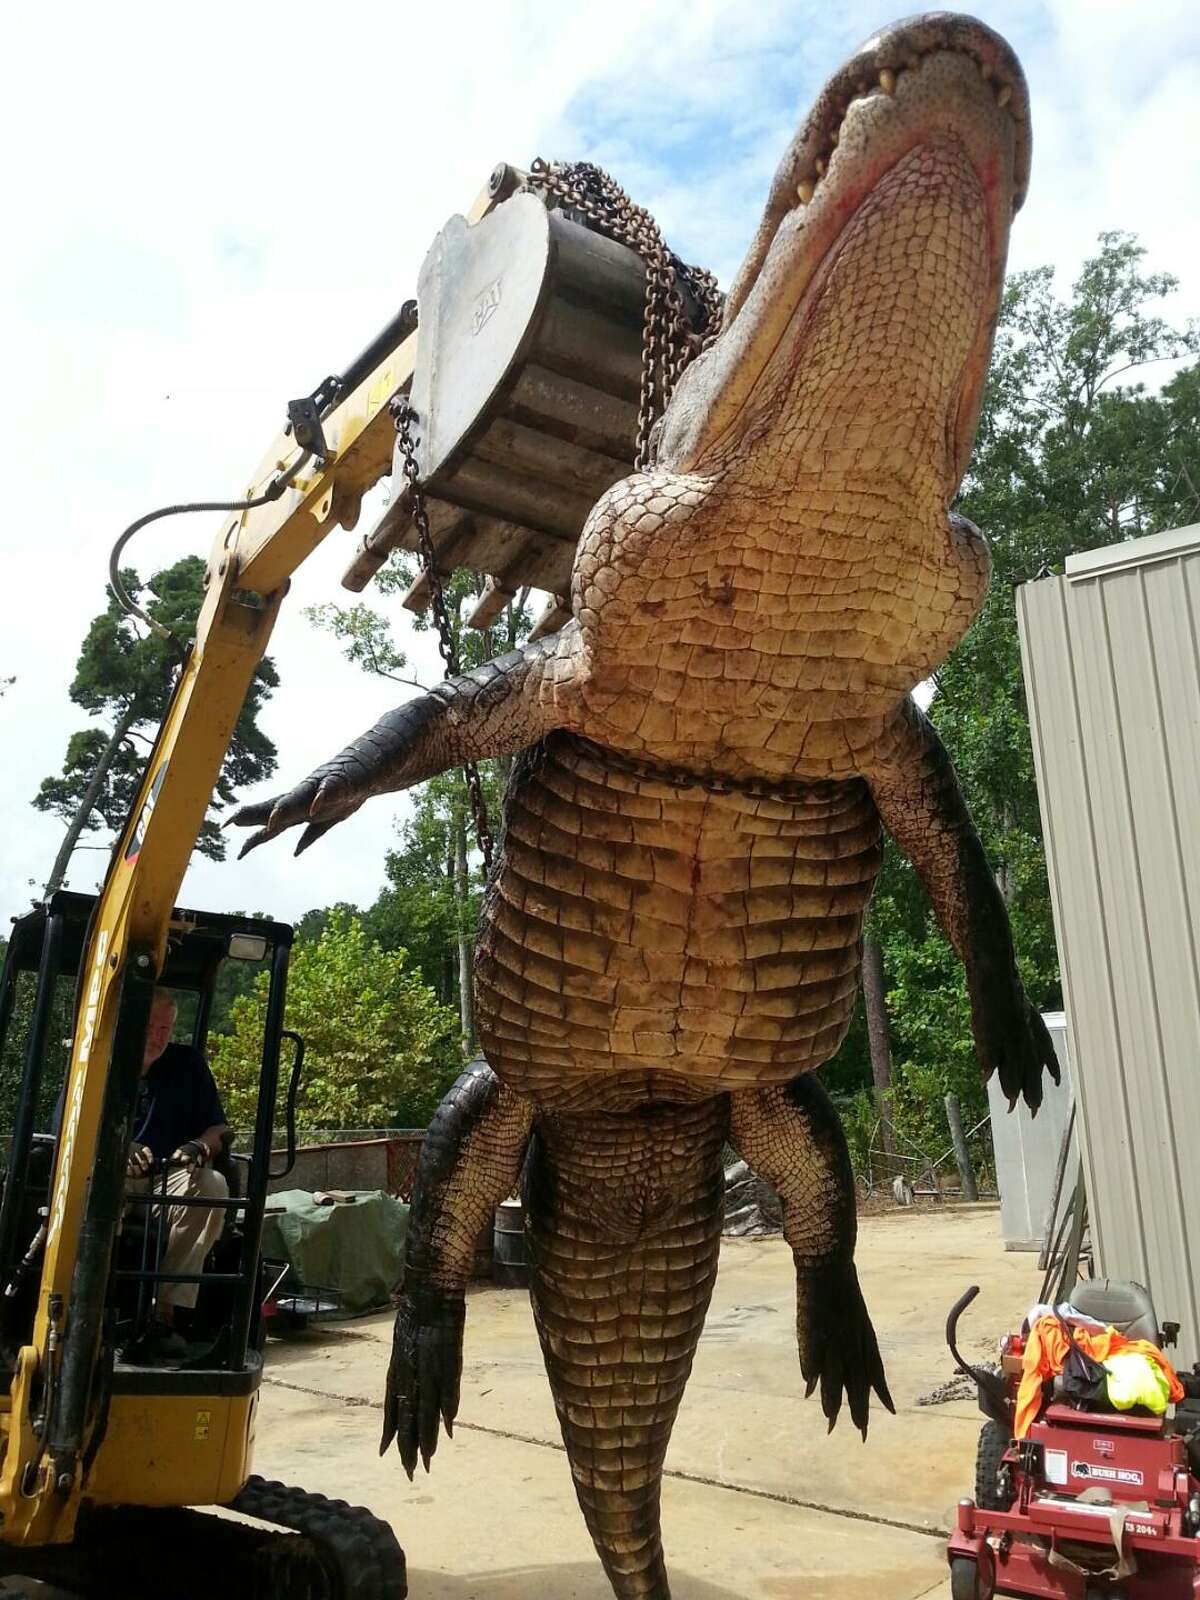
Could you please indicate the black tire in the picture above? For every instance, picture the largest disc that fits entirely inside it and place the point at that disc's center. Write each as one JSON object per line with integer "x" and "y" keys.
{"x": 990, "y": 1491}
{"x": 966, "y": 1582}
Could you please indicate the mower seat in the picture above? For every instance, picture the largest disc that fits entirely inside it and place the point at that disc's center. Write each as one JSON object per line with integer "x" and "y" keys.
{"x": 1126, "y": 1306}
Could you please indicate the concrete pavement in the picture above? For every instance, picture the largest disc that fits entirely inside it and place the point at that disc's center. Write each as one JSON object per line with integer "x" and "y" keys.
{"x": 759, "y": 1503}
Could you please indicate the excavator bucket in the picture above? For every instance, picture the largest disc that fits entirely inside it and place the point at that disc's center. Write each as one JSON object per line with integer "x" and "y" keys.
{"x": 526, "y": 392}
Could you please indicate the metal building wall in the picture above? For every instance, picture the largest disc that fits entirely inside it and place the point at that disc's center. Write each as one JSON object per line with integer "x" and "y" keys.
{"x": 1027, "y": 1149}
{"x": 1112, "y": 668}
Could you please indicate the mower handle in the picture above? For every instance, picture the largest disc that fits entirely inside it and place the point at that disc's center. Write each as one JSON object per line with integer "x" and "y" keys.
{"x": 956, "y": 1311}
{"x": 993, "y": 1394}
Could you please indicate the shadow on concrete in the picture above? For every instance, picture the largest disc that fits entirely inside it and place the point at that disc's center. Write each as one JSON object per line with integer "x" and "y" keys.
{"x": 573, "y": 1581}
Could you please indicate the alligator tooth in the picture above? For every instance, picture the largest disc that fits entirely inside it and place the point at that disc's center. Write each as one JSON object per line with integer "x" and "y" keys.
{"x": 819, "y": 163}
{"x": 837, "y": 134}
{"x": 1004, "y": 94}
{"x": 985, "y": 70}
{"x": 887, "y": 81}
{"x": 806, "y": 188}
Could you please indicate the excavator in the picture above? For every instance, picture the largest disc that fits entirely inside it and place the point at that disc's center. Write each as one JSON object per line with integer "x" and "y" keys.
{"x": 549, "y": 323}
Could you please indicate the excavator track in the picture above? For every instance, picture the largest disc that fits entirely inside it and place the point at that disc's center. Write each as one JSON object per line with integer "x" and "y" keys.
{"x": 361, "y": 1554}
{"x": 330, "y": 1551}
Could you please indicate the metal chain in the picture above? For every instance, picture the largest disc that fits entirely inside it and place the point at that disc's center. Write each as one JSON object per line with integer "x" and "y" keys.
{"x": 669, "y": 339}
{"x": 405, "y": 417}
{"x": 669, "y": 342}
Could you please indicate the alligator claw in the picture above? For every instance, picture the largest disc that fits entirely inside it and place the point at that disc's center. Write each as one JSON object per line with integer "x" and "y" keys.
{"x": 838, "y": 1348}
{"x": 312, "y": 833}
{"x": 1015, "y": 1043}
{"x": 424, "y": 1374}
{"x": 321, "y": 800}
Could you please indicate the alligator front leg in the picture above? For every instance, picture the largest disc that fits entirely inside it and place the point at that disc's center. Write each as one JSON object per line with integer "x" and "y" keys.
{"x": 499, "y": 708}
{"x": 470, "y": 1161}
{"x": 791, "y": 1136}
{"x": 916, "y": 789}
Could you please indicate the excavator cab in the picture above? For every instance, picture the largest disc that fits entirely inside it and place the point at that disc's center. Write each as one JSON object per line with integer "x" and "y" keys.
{"x": 177, "y": 1434}
{"x": 205, "y": 953}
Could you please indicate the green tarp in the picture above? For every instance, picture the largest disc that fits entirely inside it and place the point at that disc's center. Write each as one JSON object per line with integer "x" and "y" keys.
{"x": 355, "y": 1247}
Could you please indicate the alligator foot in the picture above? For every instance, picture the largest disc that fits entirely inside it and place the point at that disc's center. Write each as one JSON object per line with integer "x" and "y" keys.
{"x": 424, "y": 1373}
{"x": 838, "y": 1348}
{"x": 1013, "y": 1041}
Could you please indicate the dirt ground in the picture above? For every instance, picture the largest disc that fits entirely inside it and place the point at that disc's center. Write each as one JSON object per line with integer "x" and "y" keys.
{"x": 758, "y": 1502}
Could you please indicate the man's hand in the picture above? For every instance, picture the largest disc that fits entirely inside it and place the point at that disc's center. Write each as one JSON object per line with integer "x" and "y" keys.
{"x": 195, "y": 1153}
{"x": 139, "y": 1161}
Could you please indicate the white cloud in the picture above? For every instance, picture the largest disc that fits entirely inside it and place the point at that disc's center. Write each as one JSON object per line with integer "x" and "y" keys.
{"x": 211, "y": 209}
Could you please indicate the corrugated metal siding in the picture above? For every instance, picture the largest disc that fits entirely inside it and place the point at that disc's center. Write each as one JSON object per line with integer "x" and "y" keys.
{"x": 1112, "y": 667}
{"x": 1027, "y": 1149}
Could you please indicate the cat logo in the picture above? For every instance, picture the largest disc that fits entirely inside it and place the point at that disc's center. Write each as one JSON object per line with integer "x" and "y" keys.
{"x": 485, "y": 305}
{"x": 138, "y": 836}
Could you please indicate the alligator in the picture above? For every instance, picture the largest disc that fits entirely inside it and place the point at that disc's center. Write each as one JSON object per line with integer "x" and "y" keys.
{"x": 705, "y": 757}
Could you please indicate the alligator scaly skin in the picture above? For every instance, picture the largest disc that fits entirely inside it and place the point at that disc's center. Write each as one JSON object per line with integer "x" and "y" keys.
{"x": 707, "y": 754}
{"x": 645, "y": 940}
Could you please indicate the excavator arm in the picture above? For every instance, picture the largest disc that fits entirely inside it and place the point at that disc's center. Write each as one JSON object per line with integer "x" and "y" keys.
{"x": 327, "y": 460}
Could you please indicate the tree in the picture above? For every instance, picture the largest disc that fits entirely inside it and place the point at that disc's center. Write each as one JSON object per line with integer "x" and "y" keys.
{"x": 126, "y": 677}
{"x": 1073, "y": 452}
{"x": 380, "y": 1050}
{"x": 431, "y": 904}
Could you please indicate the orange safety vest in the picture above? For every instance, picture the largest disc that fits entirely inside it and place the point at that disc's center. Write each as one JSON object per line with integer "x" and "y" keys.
{"x": 1045, "y": 1356}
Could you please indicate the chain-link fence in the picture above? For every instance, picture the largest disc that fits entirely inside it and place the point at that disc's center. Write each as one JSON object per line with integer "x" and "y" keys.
{"x": 898, "y": 1164}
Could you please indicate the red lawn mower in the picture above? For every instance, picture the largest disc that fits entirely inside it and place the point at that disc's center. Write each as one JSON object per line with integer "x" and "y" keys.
{"x": 1091, "y": 1503}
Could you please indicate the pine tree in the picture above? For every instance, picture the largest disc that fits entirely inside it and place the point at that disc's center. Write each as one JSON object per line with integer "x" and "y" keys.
{"x": 124, "y": 678}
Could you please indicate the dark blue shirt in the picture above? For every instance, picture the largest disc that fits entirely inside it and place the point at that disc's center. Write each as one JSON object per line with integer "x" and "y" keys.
{"x": 177, "y": 1100}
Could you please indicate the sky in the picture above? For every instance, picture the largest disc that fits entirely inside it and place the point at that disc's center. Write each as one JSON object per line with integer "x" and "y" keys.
{"x": 212, "y": 207}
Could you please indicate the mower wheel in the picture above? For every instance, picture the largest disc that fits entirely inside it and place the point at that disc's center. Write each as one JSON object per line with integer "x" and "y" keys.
{"x": 993, "y": 1491}
{"x": 967, "y": 1582}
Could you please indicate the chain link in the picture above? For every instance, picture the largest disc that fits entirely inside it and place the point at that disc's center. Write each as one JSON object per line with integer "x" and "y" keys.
{"x": 405, "y": 417}
{"x": 669, "y": 342}
{"x": 669, "y": 339}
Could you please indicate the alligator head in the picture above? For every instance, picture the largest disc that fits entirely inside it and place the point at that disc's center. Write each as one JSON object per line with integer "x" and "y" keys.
{"x": 807, "y": 461}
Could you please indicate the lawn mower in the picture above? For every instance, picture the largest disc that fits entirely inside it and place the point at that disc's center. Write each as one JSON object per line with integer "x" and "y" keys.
{"x": 1092, "y": 1502}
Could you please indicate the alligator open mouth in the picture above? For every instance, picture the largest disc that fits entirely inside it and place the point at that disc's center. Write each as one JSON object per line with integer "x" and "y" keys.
{"x": 944, "y": 83}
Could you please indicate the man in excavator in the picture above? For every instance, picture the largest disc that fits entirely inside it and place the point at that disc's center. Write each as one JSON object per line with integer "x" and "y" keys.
{"x": 178, "y": 1119}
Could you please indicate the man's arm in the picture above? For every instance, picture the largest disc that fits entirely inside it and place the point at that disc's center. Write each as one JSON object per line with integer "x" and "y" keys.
{"x": 211, "y": 1140}
{"x": 208, "y": 1113}
{"x": 917, "y": 792}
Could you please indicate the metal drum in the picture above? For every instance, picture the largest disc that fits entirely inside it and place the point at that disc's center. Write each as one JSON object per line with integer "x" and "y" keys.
{"x": 510, "y": 1259}
{"x": 526, "y": 390}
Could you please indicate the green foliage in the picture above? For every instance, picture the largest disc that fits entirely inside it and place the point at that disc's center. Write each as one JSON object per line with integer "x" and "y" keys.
{"x": 126, "y": 679}
{"x": 13, "y": 1050}
{"x": 859, "y": 1116}
{"x": 1073, "y": 453}
{"x": 435, "y": 878}
{"x": 381, "y": 1051}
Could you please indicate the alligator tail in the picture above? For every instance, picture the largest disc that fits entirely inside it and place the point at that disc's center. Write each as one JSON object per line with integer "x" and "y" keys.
{"x": 624, "y": 1226}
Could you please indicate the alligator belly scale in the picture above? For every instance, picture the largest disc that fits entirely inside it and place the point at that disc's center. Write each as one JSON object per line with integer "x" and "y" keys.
{"x": 706, "y": 754}
{"x": 647, "y": 940}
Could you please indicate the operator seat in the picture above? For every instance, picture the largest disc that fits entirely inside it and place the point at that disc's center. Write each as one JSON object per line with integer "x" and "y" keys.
{"x": 1118, "y": 1303}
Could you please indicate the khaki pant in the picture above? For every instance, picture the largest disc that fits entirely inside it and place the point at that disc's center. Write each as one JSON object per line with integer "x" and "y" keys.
{"x": 191, "y": 1230}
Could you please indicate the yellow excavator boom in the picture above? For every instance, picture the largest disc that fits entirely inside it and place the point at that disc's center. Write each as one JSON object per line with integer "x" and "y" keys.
{"x": 252, "y": 560}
